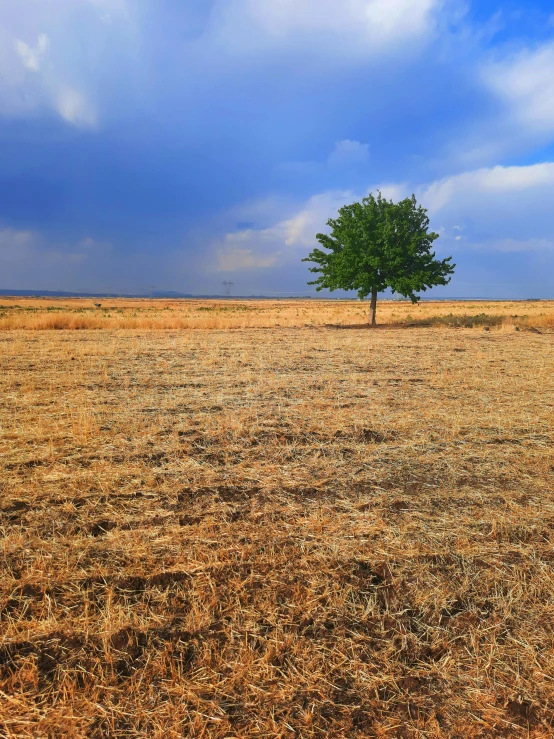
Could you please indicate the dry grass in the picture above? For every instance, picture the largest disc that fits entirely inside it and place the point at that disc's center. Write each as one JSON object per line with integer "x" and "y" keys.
{"x": 300, "y": 532}
{"x": 79, "y": 314}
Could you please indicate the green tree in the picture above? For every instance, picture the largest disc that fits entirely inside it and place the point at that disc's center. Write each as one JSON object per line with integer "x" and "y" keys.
{"x": 378, "y": 244}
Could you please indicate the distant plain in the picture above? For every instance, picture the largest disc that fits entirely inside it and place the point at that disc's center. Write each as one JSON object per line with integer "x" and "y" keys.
{"x": 122, "y": 313}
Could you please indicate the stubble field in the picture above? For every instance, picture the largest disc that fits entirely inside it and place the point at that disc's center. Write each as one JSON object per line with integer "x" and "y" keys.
{"x": 288, "y": 531}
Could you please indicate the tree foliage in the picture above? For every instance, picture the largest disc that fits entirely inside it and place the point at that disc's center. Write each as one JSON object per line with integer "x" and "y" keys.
{"x": 378, "y": 244}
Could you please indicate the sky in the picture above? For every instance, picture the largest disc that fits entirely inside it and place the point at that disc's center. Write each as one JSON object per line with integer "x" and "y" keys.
{"x": 178, "y": 144}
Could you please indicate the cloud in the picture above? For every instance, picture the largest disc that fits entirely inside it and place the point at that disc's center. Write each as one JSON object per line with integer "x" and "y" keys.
{"x": 32, "y": 57}
{"x": 26, "y": 247}
{"x": 393, "y": 19}
{"x": 496, "y": 183}
{"x": 525, "y": 82}
{"x": 68, "y": 56}
{"x": 352, "y": 27}
{"x": 52, "y": 55}
{"x": 506, "y": 209}
{"x": 495, "y": 209}
{"x": 290, "y": 237}
{"x": 517, "y": 111}
{"x": 479, "y": 214}
{"x": 349, "y": 153}
{"x": 74, "y": 107}
{"x": 247, "y": 249}
{"x": 239, "y": 260}
{"x": 385, "y": 19}
{"x": 29, "y": 259}
{"x": 15, "y": 244}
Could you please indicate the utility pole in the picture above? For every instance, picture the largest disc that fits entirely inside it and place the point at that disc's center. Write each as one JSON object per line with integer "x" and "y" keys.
{"x": 227, "y": 285}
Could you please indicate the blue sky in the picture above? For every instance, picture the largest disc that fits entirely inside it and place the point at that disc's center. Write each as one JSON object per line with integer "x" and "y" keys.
{"x": 180, "y": 143}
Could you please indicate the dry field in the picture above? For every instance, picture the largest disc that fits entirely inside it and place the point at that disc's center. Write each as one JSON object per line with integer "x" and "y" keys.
{"x": 117, "y": 313}
{"x": 300, "y": 531}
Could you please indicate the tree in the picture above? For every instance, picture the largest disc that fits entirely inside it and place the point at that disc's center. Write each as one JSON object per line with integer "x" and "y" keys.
{"x": 377, "y": 244}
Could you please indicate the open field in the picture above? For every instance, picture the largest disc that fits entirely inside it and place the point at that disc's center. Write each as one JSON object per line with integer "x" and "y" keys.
{"x": 289, "y": 532}
{"x": 117, "y": 313}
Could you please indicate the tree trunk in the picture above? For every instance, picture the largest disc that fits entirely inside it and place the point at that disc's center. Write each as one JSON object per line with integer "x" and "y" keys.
{"x": 373, "y": 307}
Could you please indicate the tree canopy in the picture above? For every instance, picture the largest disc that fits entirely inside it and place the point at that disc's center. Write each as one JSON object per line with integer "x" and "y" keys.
{"x": 378, "y": 244}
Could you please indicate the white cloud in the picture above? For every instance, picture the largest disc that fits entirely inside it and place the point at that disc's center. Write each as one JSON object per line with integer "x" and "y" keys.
{"x": 399, "y": 18}
{"x": 50, "y": 52}
{"x": 498, "y": 184}
{"x": 351, "y": 27}
{"x": 349, "y": 153}
{"x": 74, "y": 107}
{"x": 505, "y": 209}
{"x": 526, "y": 82}
{"x": 248, "y": 249}
{"x": 39, "y": 69}
{"x": 300, "y": 230}
{"x": 515, "y": 104}
{"x": 374, "y": 18}
{"x": 290, "y": 237}
{"x": 32, "y": 57}
{"x": 500, "y": 208}
{"x": 239, "y": 260}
